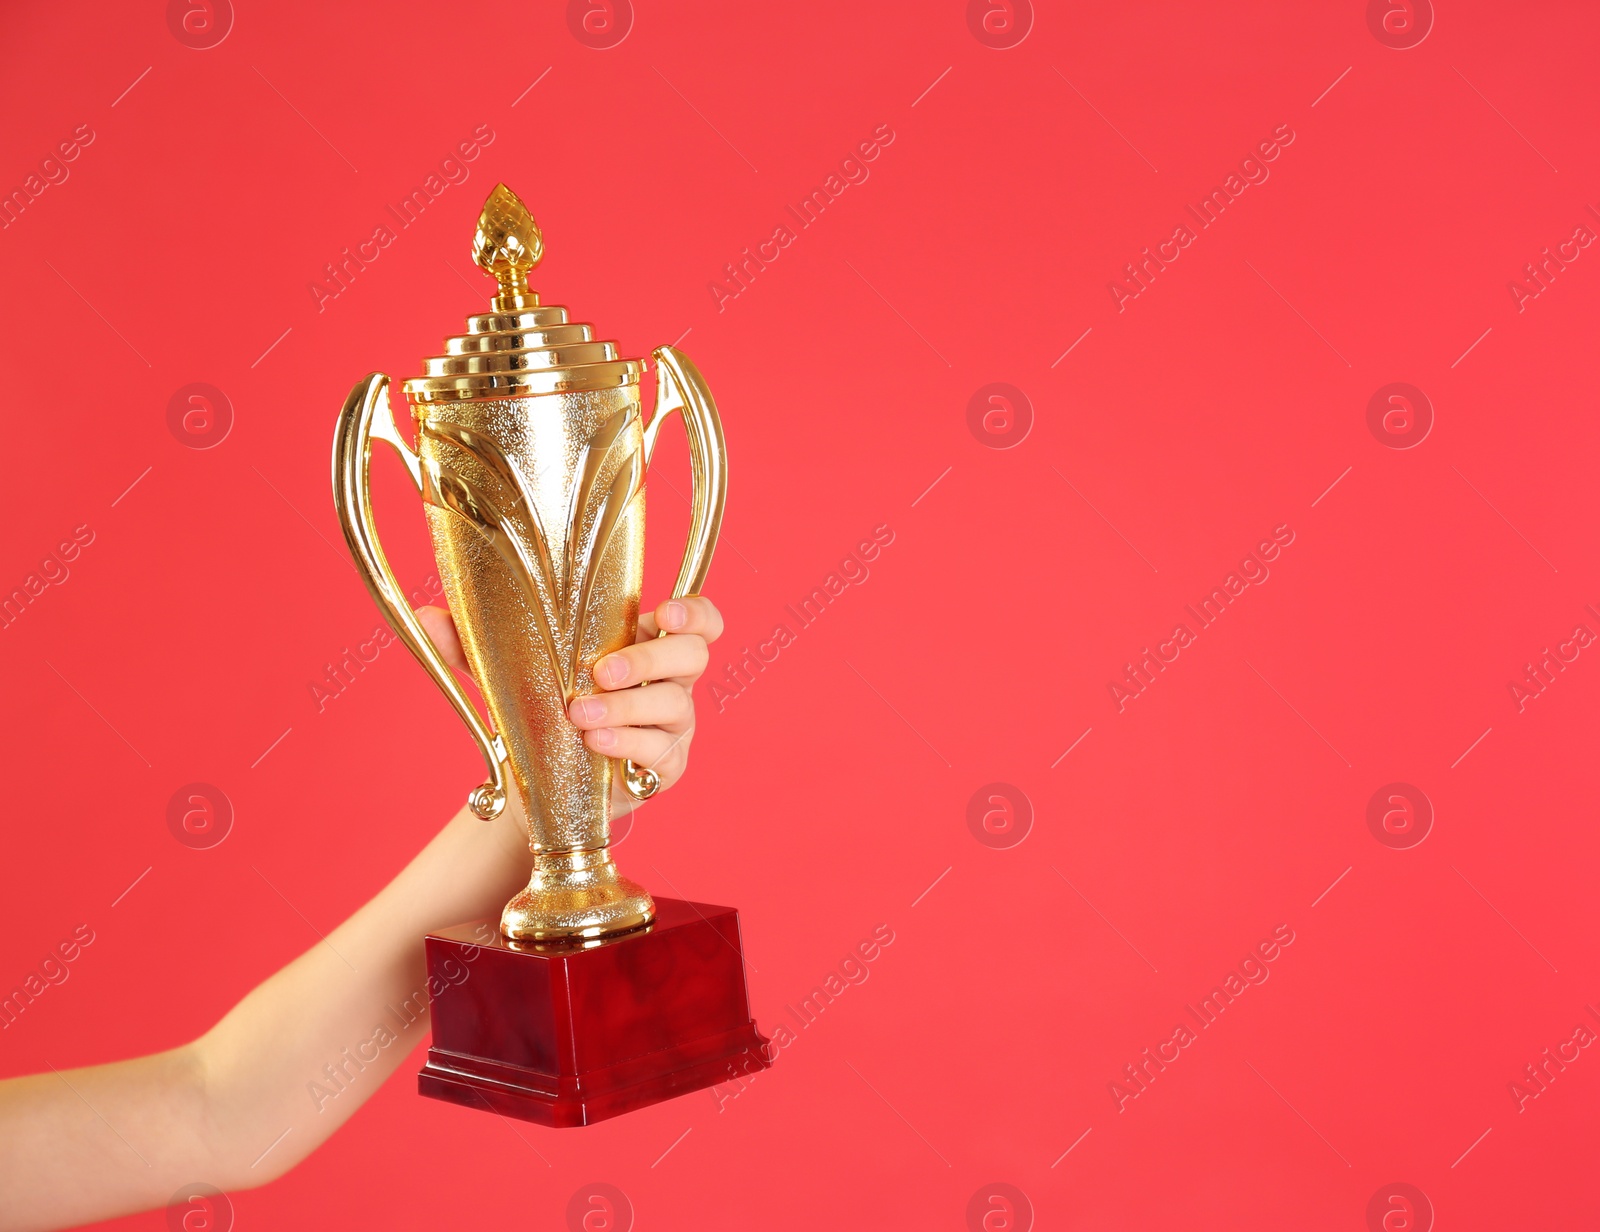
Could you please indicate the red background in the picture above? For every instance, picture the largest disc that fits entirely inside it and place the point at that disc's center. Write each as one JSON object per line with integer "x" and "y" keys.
{"x": 829, "y": 794}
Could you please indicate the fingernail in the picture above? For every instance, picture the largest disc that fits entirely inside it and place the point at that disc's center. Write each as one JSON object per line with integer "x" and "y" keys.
{"x": 673, "y": 615}
{"x": 602, "y": 738}
{"x": 588, "y": 710}
{"x": 612, "y": 670}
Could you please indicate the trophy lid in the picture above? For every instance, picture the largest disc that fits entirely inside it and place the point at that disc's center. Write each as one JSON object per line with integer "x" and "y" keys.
{"x": 519, "y": 347}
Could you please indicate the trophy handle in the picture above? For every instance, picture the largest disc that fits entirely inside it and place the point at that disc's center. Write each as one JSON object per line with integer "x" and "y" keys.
{"x": 680, "y": 387}
{"x": 366, "y": 417}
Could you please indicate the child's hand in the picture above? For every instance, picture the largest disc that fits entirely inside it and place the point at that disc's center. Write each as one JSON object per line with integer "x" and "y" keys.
{"x": 653, "y": 727}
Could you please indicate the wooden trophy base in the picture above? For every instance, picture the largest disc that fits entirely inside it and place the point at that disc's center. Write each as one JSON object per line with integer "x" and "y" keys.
{"x": 572, "y": 1033}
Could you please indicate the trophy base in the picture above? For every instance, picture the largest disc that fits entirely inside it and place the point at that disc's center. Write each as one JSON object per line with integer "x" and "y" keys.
{"x": 569, "y": 1033}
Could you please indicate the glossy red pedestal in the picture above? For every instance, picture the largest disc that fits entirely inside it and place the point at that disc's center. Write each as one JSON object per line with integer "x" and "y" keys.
{"x": 571, "y": 1034}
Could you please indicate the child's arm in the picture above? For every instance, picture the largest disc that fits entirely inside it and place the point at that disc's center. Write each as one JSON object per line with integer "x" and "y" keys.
{"x": 236, "y": 1107}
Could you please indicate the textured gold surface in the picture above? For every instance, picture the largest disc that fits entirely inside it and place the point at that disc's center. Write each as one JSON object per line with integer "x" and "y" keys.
{"x": 508, "y": 633}
{"x": 531, "y": 455}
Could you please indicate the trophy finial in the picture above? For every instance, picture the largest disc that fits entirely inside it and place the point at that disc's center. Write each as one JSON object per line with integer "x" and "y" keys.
{"x": 508, "y": 244}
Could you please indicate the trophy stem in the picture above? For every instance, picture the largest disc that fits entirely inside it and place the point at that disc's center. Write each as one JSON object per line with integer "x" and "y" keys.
{"x": 575, "y": 894}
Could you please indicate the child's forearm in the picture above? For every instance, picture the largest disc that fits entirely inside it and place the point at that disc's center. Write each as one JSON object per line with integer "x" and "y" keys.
{"x": 289, "y": 1064}
{"x": 270, "y": 1082}
{"x": 282, "y": 1058}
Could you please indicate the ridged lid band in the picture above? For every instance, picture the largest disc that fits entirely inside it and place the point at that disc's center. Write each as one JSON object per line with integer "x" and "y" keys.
{"x": 520, "y": 347}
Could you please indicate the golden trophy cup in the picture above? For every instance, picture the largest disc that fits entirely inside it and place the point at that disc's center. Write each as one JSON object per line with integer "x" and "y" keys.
{"x": 531, "y": 455}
